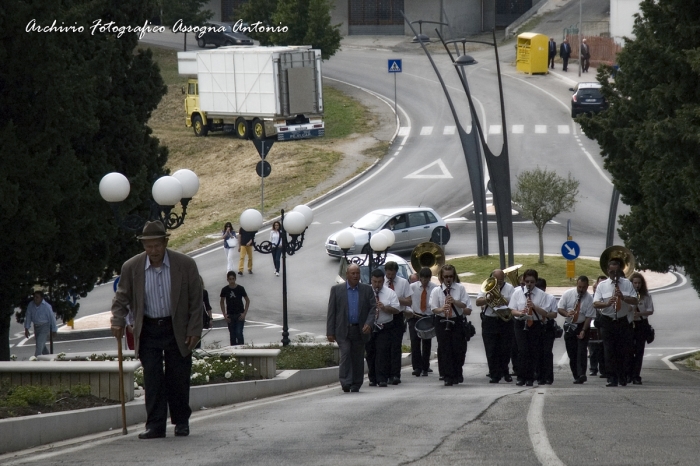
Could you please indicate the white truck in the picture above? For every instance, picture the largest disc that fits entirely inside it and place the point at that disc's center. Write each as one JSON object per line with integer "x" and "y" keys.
{"x": 257, "y": 92}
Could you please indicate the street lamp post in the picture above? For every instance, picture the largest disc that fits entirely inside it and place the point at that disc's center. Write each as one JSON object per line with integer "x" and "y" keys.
{"x": 295, "y": 223}
{"x": 379, "y": 245}
{"x": 167, "y": 191}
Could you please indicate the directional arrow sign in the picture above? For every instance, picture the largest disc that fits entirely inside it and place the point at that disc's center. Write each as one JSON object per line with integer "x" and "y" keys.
{"x": 570, "y": 250}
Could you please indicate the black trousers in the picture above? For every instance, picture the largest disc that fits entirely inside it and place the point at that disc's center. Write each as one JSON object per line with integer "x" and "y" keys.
{"x": 639, "y": 342}
{"x": 546, "y": 371}
{"x": 397, "y": 331}
{"x": 497, "y": 343}
{"x": 577, "y": 350}
{"x": 566, "y": 63}
{"x": 420, "y": 348}
{"x": 351, "y": 370}
{"x": 169, "y": 386}
{"x": 585, "y": 63}
{"x": 452, "y": 347}
{"x": 529, "y": 349}
{"x": 378, "y": 355}
{"x": 550, "y": 60}
{"x": 617, "y": 343}
{"x": 513, "y": 345}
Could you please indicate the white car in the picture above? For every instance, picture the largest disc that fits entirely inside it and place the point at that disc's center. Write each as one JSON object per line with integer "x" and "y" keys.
{"x": 405, "y": 269}
{"x": 410, "y": 225}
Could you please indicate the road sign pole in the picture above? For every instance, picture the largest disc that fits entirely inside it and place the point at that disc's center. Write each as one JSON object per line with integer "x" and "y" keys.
{"x": 262, "y": 196}
{"x": 395, "y": 102}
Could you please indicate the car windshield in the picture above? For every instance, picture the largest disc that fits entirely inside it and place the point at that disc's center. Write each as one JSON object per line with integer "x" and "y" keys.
{"x": 371, "y": 222}
{"x": 590, "y": 94}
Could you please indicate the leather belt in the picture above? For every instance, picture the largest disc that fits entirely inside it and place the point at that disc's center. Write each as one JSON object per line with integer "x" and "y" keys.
{"x": 161, "y": 322}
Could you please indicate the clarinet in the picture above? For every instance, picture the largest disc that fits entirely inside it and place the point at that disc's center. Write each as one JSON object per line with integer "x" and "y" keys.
{"x": 527, "y": 296}
{"x": 377, "y": 326}
{"x": 448, "y": 314}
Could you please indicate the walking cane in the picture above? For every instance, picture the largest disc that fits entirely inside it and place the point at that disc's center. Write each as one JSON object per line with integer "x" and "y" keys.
{"x": 121, "y": 385}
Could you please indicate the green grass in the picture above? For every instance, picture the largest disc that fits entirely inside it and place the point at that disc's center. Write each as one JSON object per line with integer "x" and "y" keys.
{"x": 553, "y": 270}
{"x": 343, "y": 115}
{"x": 305, "y": 357}
{"x": 691, "y": 361}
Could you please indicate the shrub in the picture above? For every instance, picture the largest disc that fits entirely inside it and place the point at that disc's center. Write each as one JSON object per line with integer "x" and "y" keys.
{"x": 30, "y": 395}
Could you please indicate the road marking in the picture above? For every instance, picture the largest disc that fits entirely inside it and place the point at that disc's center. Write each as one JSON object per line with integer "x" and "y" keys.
{"x": 404, "y": 131}
{"x": 356, "y": 185}
{"x": 495, "y": 129}
{"x": 563, "y": 129}
{"x": 449, "y": 130}
{"x": 337, "y": 222}
{"x": 518, "y": 129}
{"x": 443, "y": 168}
{"x": 426, "y": 131}
{"x": 541, "y": 129}
{"x": 667, "y": 359}
{"x": 538, "y": 433}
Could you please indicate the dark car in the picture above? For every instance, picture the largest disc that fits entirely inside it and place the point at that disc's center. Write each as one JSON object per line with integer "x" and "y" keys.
{"x": 223, "y": 35}
{"x": 587, "y": 98}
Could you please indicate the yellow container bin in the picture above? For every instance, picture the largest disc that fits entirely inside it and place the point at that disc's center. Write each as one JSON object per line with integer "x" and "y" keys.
{"x": 532, "y": 53}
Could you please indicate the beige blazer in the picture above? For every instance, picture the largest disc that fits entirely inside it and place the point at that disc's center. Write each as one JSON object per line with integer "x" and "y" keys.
{"x": 185, "y": 297}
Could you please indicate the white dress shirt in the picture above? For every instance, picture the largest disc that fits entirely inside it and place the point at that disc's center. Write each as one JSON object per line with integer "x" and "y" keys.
{"x": 518, "y": 302}
{"x": 388, "y": 297}
{"x": 645, "y": 305}
{"x": 458, "y": 293}
{"x": 506, "y": 292}
{"x": 606, "y": 289}
{"x": 402, "y": 289}
{"x": 417, "y": 289}
{"x": 568, "y": 300}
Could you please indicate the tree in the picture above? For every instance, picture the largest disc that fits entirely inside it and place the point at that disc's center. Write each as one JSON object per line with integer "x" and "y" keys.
{"x": 650, "y": 137}
{"x": 186, "y": 12}
{"x": 543, "y": 195}
{"x": 308, "y": 23}
{"x": 75, "y": 107}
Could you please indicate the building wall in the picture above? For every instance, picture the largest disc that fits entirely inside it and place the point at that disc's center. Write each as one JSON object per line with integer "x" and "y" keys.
{"x": 621, "y": 19}
{"x": 215, "y": 7}
{"x": 339, "y": 14}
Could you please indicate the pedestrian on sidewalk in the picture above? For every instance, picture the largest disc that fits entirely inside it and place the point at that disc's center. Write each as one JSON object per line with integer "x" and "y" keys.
{"x": 552, "y": 52}
{"x": 40, "y": 313}
{"x": 230, "y": 245}
{"x": 245, "y": 247}
{"x": 585, "y": 56}
{"x": 233, "y": 309}
{"x": 565, "y": 53}
{"x": 276, "y": 241}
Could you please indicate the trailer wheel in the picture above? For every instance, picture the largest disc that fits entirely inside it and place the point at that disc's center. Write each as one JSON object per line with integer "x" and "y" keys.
{"x": 242, "y": 128}
{"x": 258, "y": 129}
{"x": 200, "y": 129}
{"x": 201, "y": 42}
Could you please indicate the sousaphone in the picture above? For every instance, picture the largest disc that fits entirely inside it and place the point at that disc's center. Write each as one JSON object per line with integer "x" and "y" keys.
{"x": 429, "y": 255}
{"x": 620, "y": 252}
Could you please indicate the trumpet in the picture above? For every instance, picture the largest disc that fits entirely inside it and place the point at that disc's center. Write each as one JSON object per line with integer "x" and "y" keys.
{"x": 495, "y": 299}
{"x": 448, "y": 313}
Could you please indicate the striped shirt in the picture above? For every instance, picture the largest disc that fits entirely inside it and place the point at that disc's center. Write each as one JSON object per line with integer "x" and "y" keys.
{"x": 157, "y": 289}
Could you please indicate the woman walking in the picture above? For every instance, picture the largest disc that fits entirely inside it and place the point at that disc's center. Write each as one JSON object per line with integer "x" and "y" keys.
{"x": 276, "y": 240}
{"x": 230, "y": 245}
{"x": 644, "y": 309}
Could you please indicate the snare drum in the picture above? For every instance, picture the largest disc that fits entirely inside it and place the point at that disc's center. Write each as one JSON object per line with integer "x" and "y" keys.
{"x": 425, "y": 328}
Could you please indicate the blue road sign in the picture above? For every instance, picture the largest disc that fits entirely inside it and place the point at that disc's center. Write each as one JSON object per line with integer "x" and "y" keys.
{"x": 394, "y": 65}
{"x": 570, "y": 250}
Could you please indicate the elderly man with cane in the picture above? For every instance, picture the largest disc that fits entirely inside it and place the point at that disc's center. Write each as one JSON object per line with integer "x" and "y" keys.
{"x": 163, "y": 289}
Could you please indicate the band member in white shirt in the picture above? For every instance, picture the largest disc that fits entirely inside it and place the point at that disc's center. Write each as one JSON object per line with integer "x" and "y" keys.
{"x": 530, "y": 306}
{"x": 577, "y": 306}
{"x": 420, "y": 348}
{"x": 378, "y": 349}
{"x": 403, "y": 291}
{"x": 616, "y": 297}
{"x": 545, "y": 374}
{"x": 596, "y": 354}
{"x": 450, "y": 302}
{"x": 495, "y": 331}
{"x": 644, "y": 309}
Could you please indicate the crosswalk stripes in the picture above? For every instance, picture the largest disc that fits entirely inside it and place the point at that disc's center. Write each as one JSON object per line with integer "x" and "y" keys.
{"x": 426, "y": 131}
{"x": 518, "y": 129}
{"x": 449, "y": 130}
{"x": 541, "y": 129}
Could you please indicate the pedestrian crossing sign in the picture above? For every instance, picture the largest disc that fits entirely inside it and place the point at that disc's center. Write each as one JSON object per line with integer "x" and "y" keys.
{"x": 394, "y": 65}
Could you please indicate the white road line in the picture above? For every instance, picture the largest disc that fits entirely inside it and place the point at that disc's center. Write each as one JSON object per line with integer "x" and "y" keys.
{"x": 426, "y": 131}
{"x": 518, "y": 129}
{"x": 538, "y": 433}
{"x": 404, "y": 131}
{"x": 541, "y": 129}
{"x": 356, "y": 185}
{"x": 449, "y": 130}
{"x": 495, "y": 129}
{"x": 563, "y": 129}
{"x": 667, "y": 359}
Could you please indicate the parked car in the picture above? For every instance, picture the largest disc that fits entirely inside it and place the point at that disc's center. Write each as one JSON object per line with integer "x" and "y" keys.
{"x": 405, "y": 269}
{"x": 226, "y": 37}
{"x": 410, "y": 225}
{"x": 587, "y": 98}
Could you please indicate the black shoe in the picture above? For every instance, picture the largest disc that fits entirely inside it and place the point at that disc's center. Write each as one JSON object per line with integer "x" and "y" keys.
{"x": 460, "y": 379}
{"x": 346, "y": 388}
{"x": 549, "y": 382}
{"x": 151, "y": 433}
{"x": 508, "y": 378}
{"x": 529, "y": 383}
{"x": 623, "y": 382}
{"x": 382, "y": 384}
{"x": 611, "y": 384}
{"x": 489, "y": 375}
{"x": 637, "y": 381}
{"x": 354, "y": 389}
{"x": 416, "y": 373}
{"x": 448, "y": 382}
{"x": 520, "y": 383}
{"x": 424, "y": 374}
{"x": 541, "y": 382}
{"x": 441, "y": 378}
{"x": 430, "y": 370}
{"x": 494, "y": 380}
{"x": 578, "y": 381}
{"x": 603, "y": 376}
{"x": 240, "y": 273}
{"x": 593, "y": 373}
{"x": 182, "y": 430}
{"x": 250, "y": 272}
{"x": 373, "y": 384}
{"x": 394, "y": 380}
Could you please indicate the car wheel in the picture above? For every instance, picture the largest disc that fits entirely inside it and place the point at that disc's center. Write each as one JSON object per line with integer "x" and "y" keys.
{"x": 200, "y": 129}
{"x": 201, "y": 42}
{"x": 440, "y": 236}
{"x": 242, "y": 128}
{"x": 258, "y": 129}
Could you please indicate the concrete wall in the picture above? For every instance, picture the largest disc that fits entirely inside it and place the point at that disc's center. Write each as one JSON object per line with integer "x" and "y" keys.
{"x": 215, "y": 7}
{"x": 465, "y": 16}
{"x": 339, "y": 14}
{"x": 621, "y": 19}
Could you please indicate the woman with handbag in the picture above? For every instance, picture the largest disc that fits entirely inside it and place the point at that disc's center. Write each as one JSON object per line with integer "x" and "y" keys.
{"x": 276, "y": 240}
{"x": 641, "y": 327}
{"x": 230, "y": 245}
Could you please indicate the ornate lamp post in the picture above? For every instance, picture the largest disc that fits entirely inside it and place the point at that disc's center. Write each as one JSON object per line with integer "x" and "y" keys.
{"x": 295, "y": 223}
{"x": 167, "y": 191}
{"x": 379, "y": 247}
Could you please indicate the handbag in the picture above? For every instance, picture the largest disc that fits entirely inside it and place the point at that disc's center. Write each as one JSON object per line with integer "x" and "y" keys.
{"x": 469, "y": 330}
{"x": 558, "y": 331}
{"x": 232, "y": 242}
{"x": 649, "y": 333}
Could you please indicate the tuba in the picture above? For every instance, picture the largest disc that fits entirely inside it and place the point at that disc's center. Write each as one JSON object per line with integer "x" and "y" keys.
{"x": 623, "y": 254}
{"x": 512, "y": 274}
{"x": 429, "y": 255}
{"x": 495, "y": 299}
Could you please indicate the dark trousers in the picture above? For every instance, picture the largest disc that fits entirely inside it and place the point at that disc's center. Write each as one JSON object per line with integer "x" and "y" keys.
{"x": 617, "y": 343}
{"x": 397, "y": 331}
{"x": 276, "y": 253}
{"x": 550, "y": 60}
{"x": 640, "y": 341}
{"x": 529, "y": 349}
{"x": 452, "y": 348}
{"x": 597, "y": 356}
{"x": 167, "y": 387}
{"x": 565, "y": 65}
{"x": 352, "y": 358}
{"x": 577, "y": 350}
{"x": 513, "y": 344}
{"x": 497, "y": 342}
{"x": 378, "y": 354}
{"x": 546, "y": 372}
{"x": 420, "y": 348}
{"x": 585, "y": 63}
{"x": 235, "y": 330}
